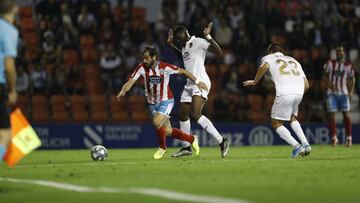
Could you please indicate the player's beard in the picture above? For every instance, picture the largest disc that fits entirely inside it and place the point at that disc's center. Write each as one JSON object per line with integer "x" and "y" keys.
{"x": 149, "y": 65}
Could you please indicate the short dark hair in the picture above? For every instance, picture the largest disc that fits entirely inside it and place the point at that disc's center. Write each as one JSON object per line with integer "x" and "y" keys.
{"x": 180, "y": 29}
{"x": 6, "y": 6}
{"x": 275, "y": 47}
{"x": 152, "y": 51}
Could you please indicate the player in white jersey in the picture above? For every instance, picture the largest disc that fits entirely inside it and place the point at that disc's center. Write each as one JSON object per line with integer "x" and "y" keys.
{"x": 193, "y": 99}
{"x": 290, "y": 84}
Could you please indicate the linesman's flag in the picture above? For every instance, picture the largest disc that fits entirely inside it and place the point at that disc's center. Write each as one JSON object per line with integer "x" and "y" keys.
{"x": 24, "y": 139}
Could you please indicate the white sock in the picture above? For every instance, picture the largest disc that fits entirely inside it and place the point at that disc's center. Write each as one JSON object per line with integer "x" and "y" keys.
{"x": 185, "y": 126}
{"x": 299, "y": 132}
{"x": 210, "y": 128}
{"x": 286, "y": 135}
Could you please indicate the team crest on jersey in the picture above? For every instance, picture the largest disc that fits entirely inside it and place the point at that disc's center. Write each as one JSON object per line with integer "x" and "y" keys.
{"x": 191, "y": 44}
{"x": 162, "y": 71}
{"x": 155, "y": 79}
{"x": 186, "y": 56}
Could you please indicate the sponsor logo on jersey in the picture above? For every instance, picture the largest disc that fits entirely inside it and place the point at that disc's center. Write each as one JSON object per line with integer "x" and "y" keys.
{"x": 339, "y": 73}
{"x": 155, "y": 79}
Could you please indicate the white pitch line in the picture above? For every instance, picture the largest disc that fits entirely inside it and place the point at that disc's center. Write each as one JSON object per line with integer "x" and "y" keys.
{"x": 167, "y": 194}
{"x": 77, "y": 164}
{"x": 98, "y": 163}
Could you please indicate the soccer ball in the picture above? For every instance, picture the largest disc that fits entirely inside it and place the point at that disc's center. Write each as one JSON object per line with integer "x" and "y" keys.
{"x": 98, "y": 153}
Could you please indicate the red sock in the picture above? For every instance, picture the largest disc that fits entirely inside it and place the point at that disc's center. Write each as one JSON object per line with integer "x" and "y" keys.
{"x": 180, "y": 135}
{"x": 162, "y": 137}
{"x": 332, "y": 127}
{"x": 348, "y": 126}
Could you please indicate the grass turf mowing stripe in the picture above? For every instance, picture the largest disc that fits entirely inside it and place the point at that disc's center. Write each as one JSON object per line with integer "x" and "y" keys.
{"x": 143, "y": 191}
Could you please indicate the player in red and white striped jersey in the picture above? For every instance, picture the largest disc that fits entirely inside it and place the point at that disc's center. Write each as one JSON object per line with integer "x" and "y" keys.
{"x": 156, "y": 75}
{"x": 156, "y": 81}
{"x": 340, "y": 78}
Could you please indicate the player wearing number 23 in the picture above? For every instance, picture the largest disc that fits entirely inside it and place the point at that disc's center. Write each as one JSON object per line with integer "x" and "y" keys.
{"x": 290, "y": 84}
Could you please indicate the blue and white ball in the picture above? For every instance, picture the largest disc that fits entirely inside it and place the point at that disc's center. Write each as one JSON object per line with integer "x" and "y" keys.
{"x": 98, "y": 153}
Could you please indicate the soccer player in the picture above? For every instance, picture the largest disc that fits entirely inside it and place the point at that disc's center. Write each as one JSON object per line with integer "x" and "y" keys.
{"x": 290, "y": 84}
{"x": 8, "y": 51}
{"x": 340, "y": 78}
{"x": 193, "y": 99}
{"x": 156, "y": 75}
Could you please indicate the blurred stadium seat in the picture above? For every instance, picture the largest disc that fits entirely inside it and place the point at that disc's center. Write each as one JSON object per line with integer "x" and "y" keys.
{"x": 28, "y": 25}
{"x": 255, "y": 102}
{"x": 136, "y": 102}
{"x": 89, "y": 55}
{"x": 120, "y": 116}
{"x": 140, "y": 116}
{"x": 87, "y": 42}
{"x": 26, "y": 12}
{"x": 23, "y": 103}
{"x": 31, "y": 39}
{"x": 97, "y": 102}
{"x": 99, "y": 116}
{"x": 80, "y": 116}
{"x": 70, "y": 57}
{"x": 58, "y": 102}
{"x": 78, "y": 102}
{"x": 61, "y": 116}
{"x": 258, "y": 117}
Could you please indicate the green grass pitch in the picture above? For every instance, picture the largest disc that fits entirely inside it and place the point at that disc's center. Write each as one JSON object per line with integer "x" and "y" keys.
{"x": 254, "y": 174}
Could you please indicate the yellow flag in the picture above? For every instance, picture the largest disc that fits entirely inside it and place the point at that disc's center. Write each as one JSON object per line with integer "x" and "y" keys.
{"x": 24, "y": 139}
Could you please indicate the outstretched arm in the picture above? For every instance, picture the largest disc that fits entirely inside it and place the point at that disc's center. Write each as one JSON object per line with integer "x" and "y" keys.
{"x": 170, "y": 40}
{"x": 259, "y": 74}
{"x": 125, "y": 88}
{"x": 187, "y": 74}
{"x": 214, "y": 46}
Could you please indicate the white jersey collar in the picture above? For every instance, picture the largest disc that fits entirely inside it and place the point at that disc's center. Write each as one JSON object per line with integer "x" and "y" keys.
{"x": 190, "y": 40}
{"x": 279, "y": 54}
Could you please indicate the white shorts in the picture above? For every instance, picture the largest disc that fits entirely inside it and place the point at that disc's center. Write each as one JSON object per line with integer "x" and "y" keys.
{"x": 190, "y": 91}
{"x": 286, "y": 105}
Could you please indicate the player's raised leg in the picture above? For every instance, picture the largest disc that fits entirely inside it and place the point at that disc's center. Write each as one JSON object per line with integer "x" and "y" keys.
{"x": 295, "y": 125}
{"x": 185, "y": 126}
{"x": 163, "y": 128}
{"x": 180, "y": 135}
{"x": 198, "y": 103}
{"x": 158, "y": 121}
{"x": 286, "y": 135}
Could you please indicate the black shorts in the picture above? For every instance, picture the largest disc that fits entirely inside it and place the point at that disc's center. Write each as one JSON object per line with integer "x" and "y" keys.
{"x": 4, "y": 109}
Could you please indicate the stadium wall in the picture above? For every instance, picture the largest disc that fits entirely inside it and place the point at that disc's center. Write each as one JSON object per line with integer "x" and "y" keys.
{"x": 79, "y": 136}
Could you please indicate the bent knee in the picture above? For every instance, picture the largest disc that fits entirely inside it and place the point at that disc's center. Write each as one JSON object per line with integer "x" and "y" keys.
{"x": 157, "y": 121}
{"x": 196, "y": 116}
{"x": 276, "y": 124}
{"x": 168, "y": 130}
{"x": 183, "y": 116}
